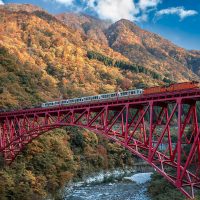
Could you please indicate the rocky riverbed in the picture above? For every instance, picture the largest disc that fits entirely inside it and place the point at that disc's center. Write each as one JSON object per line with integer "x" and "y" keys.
{"x": 116, "y": 185}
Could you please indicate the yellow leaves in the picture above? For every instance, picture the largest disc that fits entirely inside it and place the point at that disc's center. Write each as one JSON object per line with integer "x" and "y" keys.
{"x": 30, "y": 177}
{"x": 49, "y": 80}
{"x": 114, "y": 147}
{"x": 39, "y": 189}
{"x": 6, "y": 180}
{"x": 90, "y": 137}
{"x": 35, "y": 148}
{"x": 108, "y": 88}
{"x": 65, "y": 177}
{"x": 7, "y": 100}
{"x": 89, "y": 151}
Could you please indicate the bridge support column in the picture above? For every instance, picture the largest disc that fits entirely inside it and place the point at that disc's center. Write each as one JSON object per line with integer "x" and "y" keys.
{"x": 150, "y": 130}
{"x": 179, "y": 121}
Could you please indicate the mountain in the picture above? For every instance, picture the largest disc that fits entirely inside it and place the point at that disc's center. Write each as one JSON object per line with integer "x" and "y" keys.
{"x": 160, "y": 54}
{"x": 50, "y": 57}
{"x": 20, "y": 7}
{"x": 90, "y": 27}
{"x": 144, "y": 48}
{"x": 43, "y": 59}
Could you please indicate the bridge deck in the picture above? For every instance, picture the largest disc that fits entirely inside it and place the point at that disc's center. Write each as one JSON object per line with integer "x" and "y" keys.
{"x": 186, "y": 95}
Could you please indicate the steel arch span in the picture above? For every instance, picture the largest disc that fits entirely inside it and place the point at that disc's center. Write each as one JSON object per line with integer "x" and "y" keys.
{"x": 161, "y": 129}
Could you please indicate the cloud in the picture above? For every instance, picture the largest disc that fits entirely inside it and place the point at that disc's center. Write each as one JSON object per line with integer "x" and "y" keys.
{"x": 114, "y": 9}
{"x": 117, "y": 9}
{"x": 180, "y": 11}
{"x": 1, "y": 2}
{"x": 145, "y": 4}
{"x": 64, "y": 2}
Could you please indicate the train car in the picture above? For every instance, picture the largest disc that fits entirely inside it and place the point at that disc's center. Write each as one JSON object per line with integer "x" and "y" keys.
{"x": 153, "y": 90}
{"x": 172, "y": 87}
{"x": 183, "y": 86}
{"x": 116, "y": 95}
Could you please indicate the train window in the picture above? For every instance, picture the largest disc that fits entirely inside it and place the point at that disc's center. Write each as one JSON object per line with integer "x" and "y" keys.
{"x": 133, "y": 92}
{"x": 71, "y": 101}
{"x": 125, "y": 93}
{"x": 64, "y": 102}
{"x": 87, "y": 98}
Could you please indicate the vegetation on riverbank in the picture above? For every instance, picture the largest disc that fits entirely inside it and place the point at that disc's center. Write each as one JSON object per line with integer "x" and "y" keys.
{"x": 161, "y": 189}
{"x": 56, "y": 158}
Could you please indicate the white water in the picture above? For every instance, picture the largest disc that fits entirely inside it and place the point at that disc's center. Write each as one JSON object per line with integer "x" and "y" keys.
{"x": 95, "y": 188}
{"x": 140, "y": 178}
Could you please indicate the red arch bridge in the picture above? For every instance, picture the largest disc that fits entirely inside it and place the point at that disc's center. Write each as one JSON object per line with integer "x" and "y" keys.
{"x": 162, "y": 129}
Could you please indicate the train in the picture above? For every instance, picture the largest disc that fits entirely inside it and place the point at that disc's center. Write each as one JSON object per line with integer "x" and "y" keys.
{"x": 172, "y": 87}
{"x": 124, "y": 94}
{"x": 94, "y": 98}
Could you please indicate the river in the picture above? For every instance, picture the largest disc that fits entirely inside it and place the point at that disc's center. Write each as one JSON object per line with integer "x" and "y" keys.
{"x": 115, "y": 185}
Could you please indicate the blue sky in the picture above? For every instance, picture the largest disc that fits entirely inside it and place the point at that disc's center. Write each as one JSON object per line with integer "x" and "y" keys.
{"x": 175, "y": 20}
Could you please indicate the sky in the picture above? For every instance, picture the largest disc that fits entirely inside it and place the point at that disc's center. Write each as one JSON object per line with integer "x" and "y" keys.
{"x": 175, "y": 20}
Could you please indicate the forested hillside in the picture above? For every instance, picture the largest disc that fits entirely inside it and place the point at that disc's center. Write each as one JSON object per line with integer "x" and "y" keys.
{"x": 57, "y": 57}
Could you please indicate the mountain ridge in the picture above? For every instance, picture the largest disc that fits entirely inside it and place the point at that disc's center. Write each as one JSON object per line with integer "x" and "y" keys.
{"x": 139, "y": 41}
{"x": 75, "y": 55}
